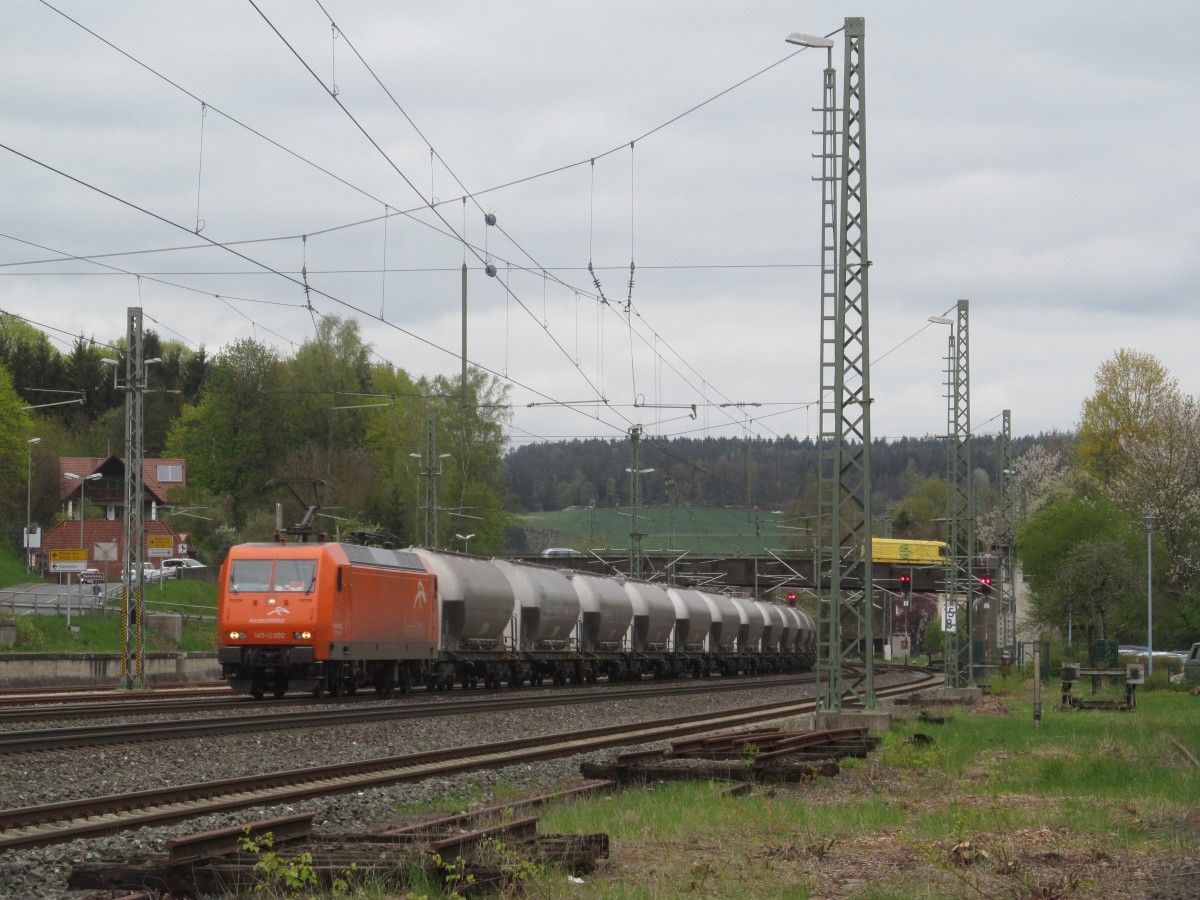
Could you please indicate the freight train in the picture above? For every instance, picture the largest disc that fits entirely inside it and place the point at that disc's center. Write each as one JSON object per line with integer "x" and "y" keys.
{"x": 335, "y": 617}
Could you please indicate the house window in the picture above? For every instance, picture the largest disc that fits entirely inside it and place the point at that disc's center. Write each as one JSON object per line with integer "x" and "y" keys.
{"x": 170, "y": 473}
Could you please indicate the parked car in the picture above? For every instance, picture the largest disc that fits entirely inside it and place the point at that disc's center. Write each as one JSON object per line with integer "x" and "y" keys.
{"x": 172, "y": 568}
{"x": 91, "y": 576}
{"x": 149, "y": 573}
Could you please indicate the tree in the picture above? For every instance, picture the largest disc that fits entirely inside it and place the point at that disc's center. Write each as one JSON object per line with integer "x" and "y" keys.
{"x": 1129, "y": 388}
{"x": 926, "y": 501}
{"x": 1080, "y": 560}
{"x": 1092, "y": 589}
{"x": 15, "y": 431}
{"x": 1162, "y": 478}
{"x": 233, "y": 437}
{"x": 474, "y": 435}
{"x": 1049, "y": 536}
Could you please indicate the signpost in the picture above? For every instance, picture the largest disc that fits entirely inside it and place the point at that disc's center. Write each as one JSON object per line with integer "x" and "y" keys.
{"x": 69, "y": 561}
{"x": 159, "y": 545}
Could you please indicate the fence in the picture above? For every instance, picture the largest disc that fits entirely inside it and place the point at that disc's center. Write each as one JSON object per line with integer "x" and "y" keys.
{"x": 54, "y": 602}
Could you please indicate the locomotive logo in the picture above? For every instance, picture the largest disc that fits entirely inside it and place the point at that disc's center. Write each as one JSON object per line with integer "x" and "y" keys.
{"x": 419, "y": 598}
{"x": 280, "y": 611}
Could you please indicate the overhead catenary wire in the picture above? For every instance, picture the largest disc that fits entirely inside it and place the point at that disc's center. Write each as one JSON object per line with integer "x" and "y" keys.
{"x": 657, "y": 337}
{"x": 431, "y": 202}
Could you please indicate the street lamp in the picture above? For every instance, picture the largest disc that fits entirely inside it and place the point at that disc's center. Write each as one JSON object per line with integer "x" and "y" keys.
{"x": 29, "y": 497}
{"x": 83, "y": 480}
{"x": 1149, "y": 519}
{"x": 466, "y": 539}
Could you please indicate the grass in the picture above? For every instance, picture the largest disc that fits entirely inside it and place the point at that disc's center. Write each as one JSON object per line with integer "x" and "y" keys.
{"x": 102, "y": 632}
{"x": 1088, "y": 804}
{"x": 12, "y": 570}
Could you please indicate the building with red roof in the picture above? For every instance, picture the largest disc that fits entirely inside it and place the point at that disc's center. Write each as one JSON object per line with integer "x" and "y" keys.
{"x": 103, "y": 538}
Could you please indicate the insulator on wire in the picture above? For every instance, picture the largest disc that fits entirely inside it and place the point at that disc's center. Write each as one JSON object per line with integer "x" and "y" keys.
{"x": 489, "y": 218}
{"x": 490, "y": 268}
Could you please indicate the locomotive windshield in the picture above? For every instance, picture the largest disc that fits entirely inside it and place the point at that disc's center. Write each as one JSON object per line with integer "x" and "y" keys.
{"x": 273, "y": 575}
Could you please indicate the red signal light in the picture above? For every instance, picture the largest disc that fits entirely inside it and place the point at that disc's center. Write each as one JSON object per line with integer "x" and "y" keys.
{"x": 791, "y": 598}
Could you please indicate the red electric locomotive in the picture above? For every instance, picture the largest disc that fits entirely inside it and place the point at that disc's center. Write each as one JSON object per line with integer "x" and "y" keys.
{"x": 325, "y": 617}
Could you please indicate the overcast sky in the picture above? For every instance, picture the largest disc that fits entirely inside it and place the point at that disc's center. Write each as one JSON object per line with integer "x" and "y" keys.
{"x": 1036, "y": 158}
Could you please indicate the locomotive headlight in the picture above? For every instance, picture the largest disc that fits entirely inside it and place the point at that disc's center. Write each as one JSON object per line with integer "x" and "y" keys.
{"x": 302, "y": 635}
{"x": 237, "y": 635}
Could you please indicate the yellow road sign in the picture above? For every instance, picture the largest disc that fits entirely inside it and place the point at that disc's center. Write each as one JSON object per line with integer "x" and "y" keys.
{"x": 67, "y": 555}
{"x": 160, "y": 541}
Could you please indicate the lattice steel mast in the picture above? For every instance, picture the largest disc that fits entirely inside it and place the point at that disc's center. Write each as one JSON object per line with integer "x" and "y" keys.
{"x": 1006, "y": 615}
{"x": 133, "y": 634}
{"x": 961, "y": 504}
{"x": 847, "y": 633}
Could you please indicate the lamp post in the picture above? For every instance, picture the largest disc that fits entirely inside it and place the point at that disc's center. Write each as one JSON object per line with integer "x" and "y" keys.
{"x": 83, "y": 480}
{"x": 29, "y": 497}
{"x": 466, "y": 539}
{"x": 1149, "y": 519}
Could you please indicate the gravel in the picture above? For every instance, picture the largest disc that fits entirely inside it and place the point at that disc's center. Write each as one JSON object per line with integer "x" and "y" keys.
{"x": 66, "y": 775}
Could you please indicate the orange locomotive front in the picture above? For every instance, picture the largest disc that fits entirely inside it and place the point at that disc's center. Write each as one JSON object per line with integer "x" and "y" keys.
{"x": 325, "y": 618}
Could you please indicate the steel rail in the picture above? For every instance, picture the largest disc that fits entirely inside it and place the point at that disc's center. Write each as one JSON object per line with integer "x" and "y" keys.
{"x": 113, "y": 704}
{"x": 81, "y": 695}
{"x": 95, "y": 817}
{"x": 43, "y": 739}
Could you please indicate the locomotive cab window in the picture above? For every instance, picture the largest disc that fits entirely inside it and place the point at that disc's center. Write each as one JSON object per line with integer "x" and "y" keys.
{"x": 273, "y": 575}
{"x": 295, "y": 574}
{"x": 250, "y": 575}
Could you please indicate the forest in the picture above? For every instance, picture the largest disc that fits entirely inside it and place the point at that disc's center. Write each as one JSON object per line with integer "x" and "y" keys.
{"x": 722, "y": 471}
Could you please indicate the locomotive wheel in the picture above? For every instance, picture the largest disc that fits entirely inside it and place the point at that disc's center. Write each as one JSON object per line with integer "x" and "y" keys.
{"x": 319, "y": 691}
{"x": 256, "y": 692}
{"x": 279, "y": 692}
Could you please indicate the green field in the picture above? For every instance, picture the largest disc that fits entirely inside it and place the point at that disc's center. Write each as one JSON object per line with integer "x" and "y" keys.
{"x": 710, "y": 531}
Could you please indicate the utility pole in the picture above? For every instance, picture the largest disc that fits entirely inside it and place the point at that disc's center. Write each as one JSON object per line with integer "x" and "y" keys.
{"x": 430, "y": 469}
{"x": 961, "y": 501}
{"x": 635, "y": 502}
{"x": 1006, "y": 621}
{"x": 671, "y": 504}
{"x": 133, "y": 636}
{"x": 846, "y": 631}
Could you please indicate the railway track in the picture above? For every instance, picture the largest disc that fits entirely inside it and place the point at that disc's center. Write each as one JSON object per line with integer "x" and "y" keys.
{"x": 39, "y": 704}
{"x": 94, "y": 817}
{"x": 91, "y": 694}
{"x": 315, "y": 715}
